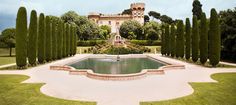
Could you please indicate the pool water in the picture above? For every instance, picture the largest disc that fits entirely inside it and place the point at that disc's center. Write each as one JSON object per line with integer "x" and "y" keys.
{"x": 112, "y": 66}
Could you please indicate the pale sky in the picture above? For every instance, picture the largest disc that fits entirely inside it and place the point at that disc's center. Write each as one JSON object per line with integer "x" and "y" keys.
{"x": 177, "y": 9}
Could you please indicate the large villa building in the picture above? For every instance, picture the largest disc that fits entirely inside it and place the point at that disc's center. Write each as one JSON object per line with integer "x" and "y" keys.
{"x": 115, "y": 20}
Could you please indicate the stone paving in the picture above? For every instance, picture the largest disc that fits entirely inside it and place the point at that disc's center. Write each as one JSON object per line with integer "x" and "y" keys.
{"x": 172, "y": 85}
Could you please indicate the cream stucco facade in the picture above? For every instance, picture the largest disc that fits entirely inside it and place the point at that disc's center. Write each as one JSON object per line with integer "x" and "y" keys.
{"x": 115, "y": 20}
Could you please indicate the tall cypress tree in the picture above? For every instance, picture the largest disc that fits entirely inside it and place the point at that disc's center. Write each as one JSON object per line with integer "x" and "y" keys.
{"x": 59, "y": 40}
{"x": 163, "y": 41}
{"x": 195, "y": 40}
{"x": 75, "y": 40}
{"x": 197, "y": 9}
{"x": 180, "y": 39}
{"x": 71, "y": 40}
{"x": 21, "y": 37}
{"x": 54, "y": 40}
{"x": 203, "y": 39}
{"x": 32, "y": 41}
{"x": 41, "y": 39}
{"x": 172, "y": 40}
{"x": 68, "y": 40}
{"x": 188, "y": 39}
{"x": 167, "y": 39}
{"x": 214, "y": 39}
{"x": 65, "y": 39}
{"x": 48, "y": 50}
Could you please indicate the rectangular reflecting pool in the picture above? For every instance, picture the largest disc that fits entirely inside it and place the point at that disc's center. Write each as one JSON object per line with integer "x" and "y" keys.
{"x": 113, "y": 66}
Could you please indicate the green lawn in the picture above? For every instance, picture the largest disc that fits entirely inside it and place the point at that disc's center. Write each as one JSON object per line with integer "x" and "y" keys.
{"x": 158, "y": 49}
{"x": 83, "y": 50}
{"x": 222, "y": 93}
{"x": 12, "y": 92}
{"x": 5, "y": 58}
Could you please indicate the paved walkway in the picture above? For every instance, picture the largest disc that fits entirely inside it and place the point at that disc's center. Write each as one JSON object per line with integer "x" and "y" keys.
{"x": 173, "y": 84}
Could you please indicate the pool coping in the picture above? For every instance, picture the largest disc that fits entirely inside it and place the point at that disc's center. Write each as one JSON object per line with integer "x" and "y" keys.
{"x": 119, "y": 77}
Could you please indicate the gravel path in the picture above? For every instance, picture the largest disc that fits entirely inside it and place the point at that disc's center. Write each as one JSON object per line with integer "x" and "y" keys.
{"x": 173, "y": 84}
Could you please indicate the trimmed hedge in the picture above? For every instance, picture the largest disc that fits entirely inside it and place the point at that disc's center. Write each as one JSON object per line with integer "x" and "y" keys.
{"x": 146, "y": 42}
{"x": 90, "y": 42}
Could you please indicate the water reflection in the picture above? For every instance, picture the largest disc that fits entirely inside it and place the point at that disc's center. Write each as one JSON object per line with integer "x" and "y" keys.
{"x": 112, "y": 66}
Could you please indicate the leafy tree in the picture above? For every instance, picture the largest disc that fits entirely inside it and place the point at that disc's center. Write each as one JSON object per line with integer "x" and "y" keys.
{"x": 8, "y": 38}
{"x": 172, "y": 40}
{"x": 41, "y": 39}
{"x": 104, "y": 32}
{"x": 167, "y": 39}
{"x": 152, "y": 34}
{"x": 203, "y": 39}
{"x": 21, "y": 37}
{"x": 54, "y": 39}
{"x": 146, "y": 18}
{"x": 166, "y": 19}
{"x": 180, "y": 40}
{"x": 70, "y": 17}
{"x": 195, "y": 39}
{"x": 131, "y": 26}
{"x": 188, "y": 39}
{"x": 154, "y": 14}
{"x": 154, "y": 26}
{"x": 32, "y": 41}
{"x": 228, "y": 34}
{"x": 214, "y": 39}
{"x": 86, "y": 29}
{"x": 197, "y": 9}
{"x": 127, "y": 12}
{"x": 48, "y": 50}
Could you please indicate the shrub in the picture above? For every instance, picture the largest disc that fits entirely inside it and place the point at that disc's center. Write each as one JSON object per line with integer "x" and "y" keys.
{"x": 41, "y": 39}
{"x": 188, "y": 39}
{"x": 146, "y": 42}
{"x": 203, "y": 39}
{"x": 214, "y": 39}
{"x": 172, "y": 40}
{"x": 180, "y": 40}
{"x": 48, "y": 50}
{"x": 90, "y": 42}
{"x": 32, "y": 41}
{"x": 195, "y": 39}
{"x": 21, "y": 37}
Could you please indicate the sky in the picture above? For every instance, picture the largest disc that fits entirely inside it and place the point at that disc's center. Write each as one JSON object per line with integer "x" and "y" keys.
{"x": 177, "y": 9}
